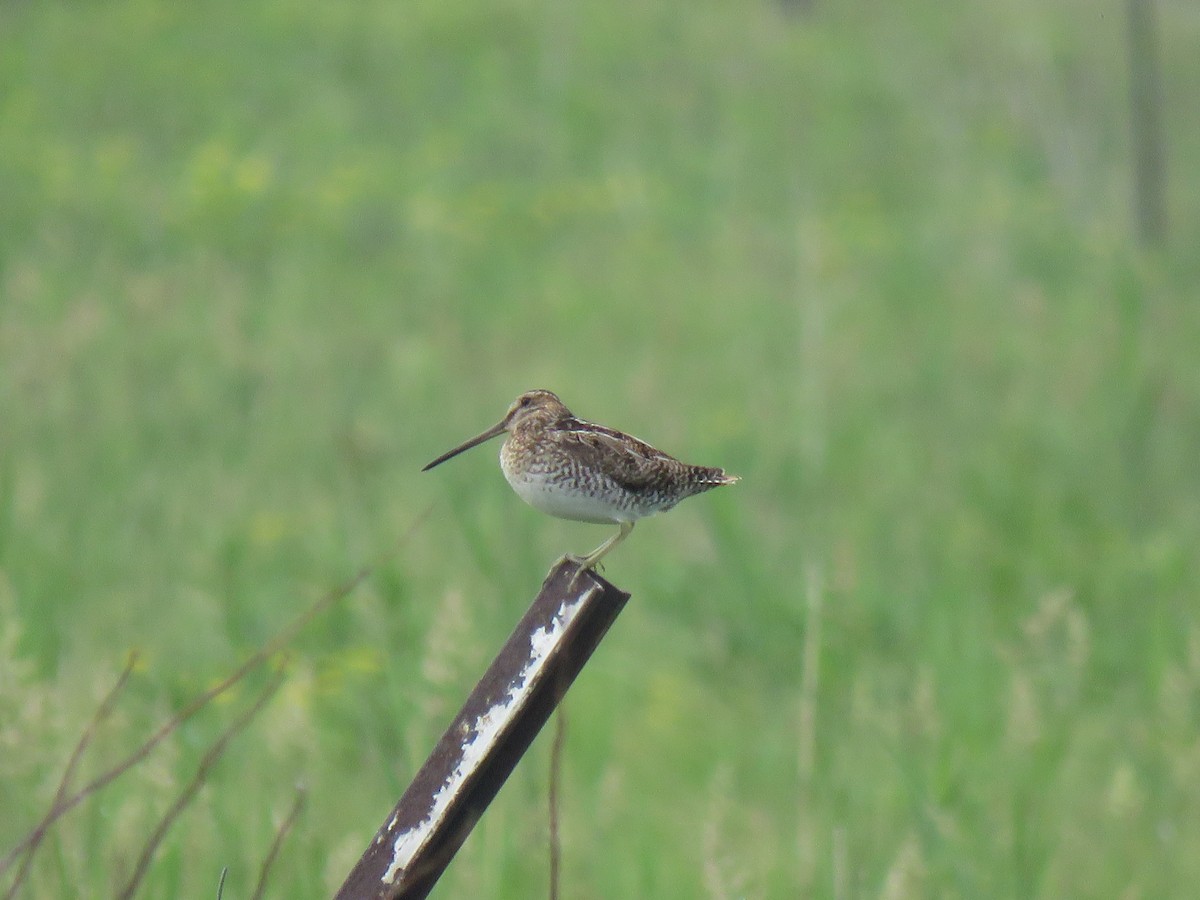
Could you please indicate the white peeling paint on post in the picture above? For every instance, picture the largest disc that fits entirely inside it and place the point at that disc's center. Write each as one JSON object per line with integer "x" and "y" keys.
{"x": 391, "y": 823}
{"x": 486, "y": 731}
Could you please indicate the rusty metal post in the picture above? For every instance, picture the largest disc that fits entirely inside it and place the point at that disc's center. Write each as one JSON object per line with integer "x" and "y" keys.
{"x": 483, "y": 744}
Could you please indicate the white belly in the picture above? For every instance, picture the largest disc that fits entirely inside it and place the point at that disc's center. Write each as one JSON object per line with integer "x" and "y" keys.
{"x": 564, "y": 502}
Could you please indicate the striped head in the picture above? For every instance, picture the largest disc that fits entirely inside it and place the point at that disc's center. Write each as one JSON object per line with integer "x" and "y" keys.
{"x": 535, "y": 409}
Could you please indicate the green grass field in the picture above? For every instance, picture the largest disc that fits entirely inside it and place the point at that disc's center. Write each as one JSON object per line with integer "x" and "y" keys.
{"x": 260, "y": 262}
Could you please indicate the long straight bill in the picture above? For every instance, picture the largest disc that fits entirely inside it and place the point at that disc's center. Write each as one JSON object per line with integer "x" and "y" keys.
{"x": 473, "y": 442}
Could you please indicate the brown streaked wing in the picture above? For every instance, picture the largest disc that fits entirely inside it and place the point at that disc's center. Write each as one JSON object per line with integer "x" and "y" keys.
{"x": 633, "y": 464}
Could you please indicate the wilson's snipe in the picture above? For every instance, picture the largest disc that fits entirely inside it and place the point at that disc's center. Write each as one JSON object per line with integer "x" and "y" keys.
{"x": 577, "y": 470}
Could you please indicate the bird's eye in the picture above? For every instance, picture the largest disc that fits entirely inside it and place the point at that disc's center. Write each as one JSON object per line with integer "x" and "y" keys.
{"x": 524, "y": 401}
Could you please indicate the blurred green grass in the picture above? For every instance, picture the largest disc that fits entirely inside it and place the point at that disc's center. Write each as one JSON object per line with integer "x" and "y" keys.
{"x": 259, "y": 263}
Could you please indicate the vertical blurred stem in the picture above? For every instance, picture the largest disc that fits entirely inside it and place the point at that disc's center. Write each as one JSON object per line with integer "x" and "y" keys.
{"x": 811, "y": 249}
{"x": 806, "y": 738}
{"x": 809, "y": 675}
{"x": 1145, "y": 95}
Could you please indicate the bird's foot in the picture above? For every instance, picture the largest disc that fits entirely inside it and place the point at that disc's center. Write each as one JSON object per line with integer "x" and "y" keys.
{"x": 581, "y": 566}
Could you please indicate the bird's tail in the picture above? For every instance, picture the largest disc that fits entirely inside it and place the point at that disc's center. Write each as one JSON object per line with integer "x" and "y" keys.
{"x": 711, "y": 475}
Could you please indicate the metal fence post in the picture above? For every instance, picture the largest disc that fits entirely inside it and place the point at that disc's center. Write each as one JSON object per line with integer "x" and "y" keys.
{"x": 496, "y": 725}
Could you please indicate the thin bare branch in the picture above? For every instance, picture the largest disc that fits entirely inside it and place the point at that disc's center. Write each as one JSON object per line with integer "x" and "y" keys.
{"x": 284, "y": 827}
{"x": 185, "y": 796}
{"x": 40, "y": 830}
{"x": 64, "y": 804}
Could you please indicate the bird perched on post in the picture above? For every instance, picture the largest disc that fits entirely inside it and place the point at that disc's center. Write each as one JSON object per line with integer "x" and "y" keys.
{"x": 585, "y": 472}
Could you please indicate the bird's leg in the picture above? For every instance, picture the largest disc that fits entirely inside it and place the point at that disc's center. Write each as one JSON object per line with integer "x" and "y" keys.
{"x": 590, "y": 561}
